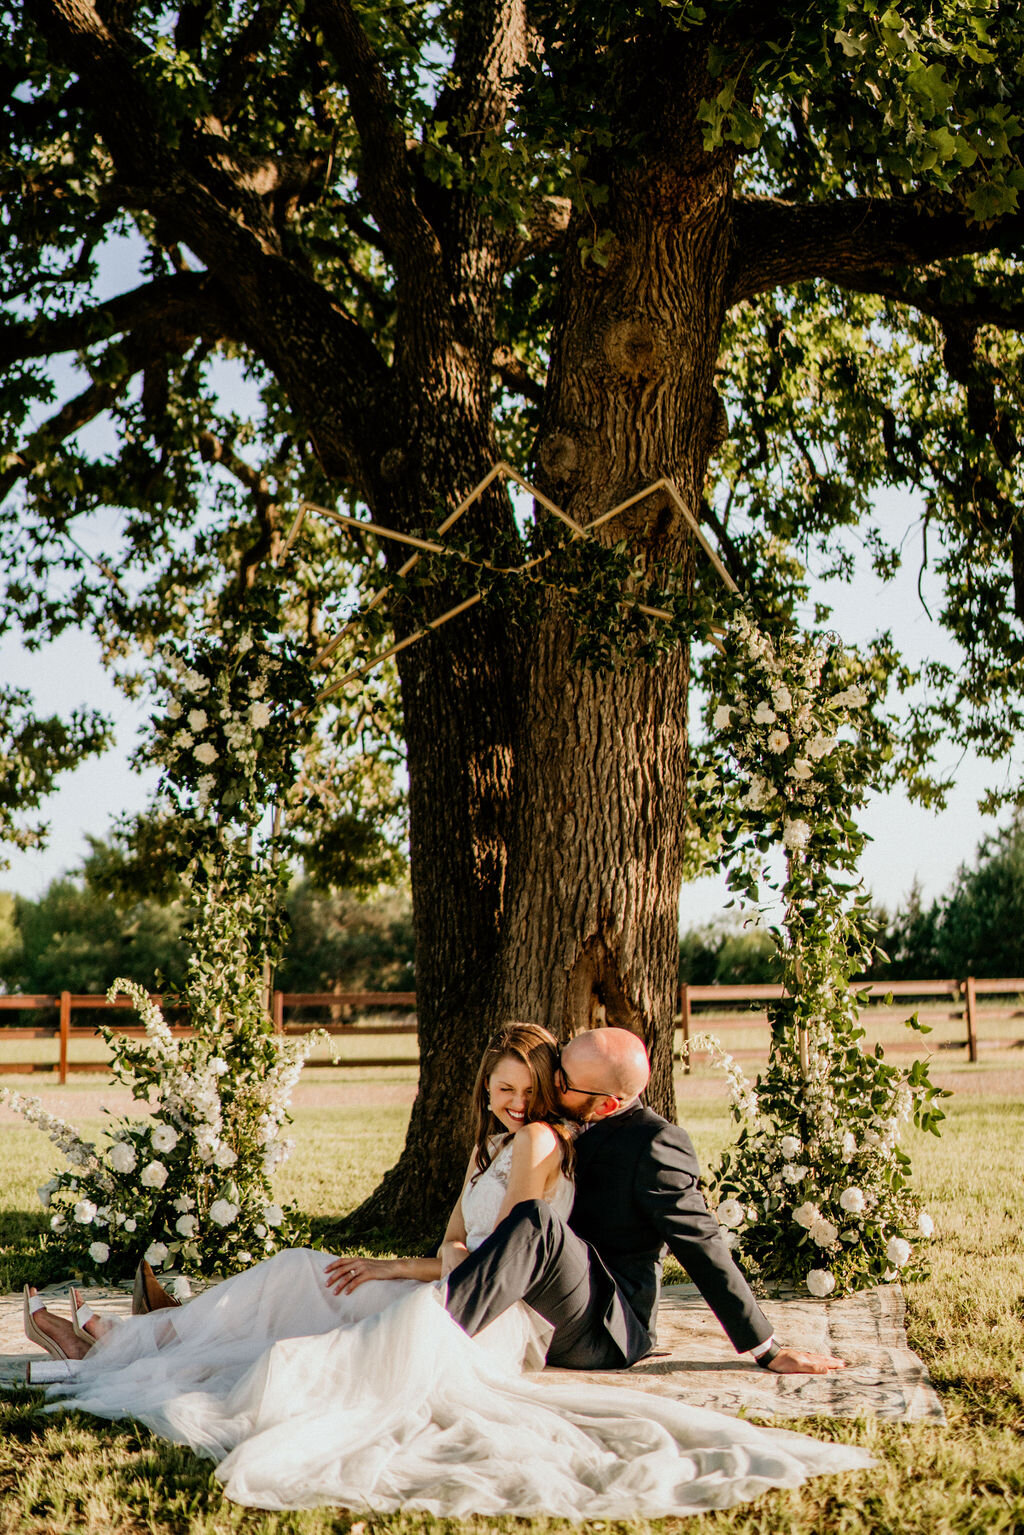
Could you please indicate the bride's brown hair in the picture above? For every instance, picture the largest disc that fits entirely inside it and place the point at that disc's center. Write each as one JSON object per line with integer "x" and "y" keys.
{"x": 538, "y": 1051}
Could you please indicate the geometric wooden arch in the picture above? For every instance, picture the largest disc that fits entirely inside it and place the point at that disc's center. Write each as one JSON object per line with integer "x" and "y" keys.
{"x": 432, "y": 546}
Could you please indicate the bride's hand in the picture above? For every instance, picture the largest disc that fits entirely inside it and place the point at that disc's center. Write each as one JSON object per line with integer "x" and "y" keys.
{"x": 343, "y": 1275}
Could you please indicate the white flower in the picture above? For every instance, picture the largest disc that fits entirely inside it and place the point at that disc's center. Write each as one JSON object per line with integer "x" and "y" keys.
{"x": 801, "y": 769}
{"x": 925, "y": 1224}
{"x": 849, "y": 1146}
{"x": 821, "y": 1282}
{"x": 206, "y": 753}
{"x": 731, "y": 1239}
{"x": 195, "y": 682}
{"x": 183, "y": 1202}
{"x": 759, "y": 794}
{"x": 224, "y": 1157}
{"x": 795, "y": 834}
{"x": 820, "y": 745}
{"x": 218, "y": 1066}
{"x": 778, "y": 740}
{"x": 84, "y": 1211}
{"x": 823, "y": 1232}
{"x": 793, "y": 1172}
{"x": 223, "y": 1212}
{"x": 806, "y": 1215}
{"x": 156, "y": 1254}
{"x": 174, "y": 710}
{"x": 782, "y": 698}
{"x": 723, "y": 717}
{"x": 259, "y": 716}
{"x": 122, "y": 1157}
{"x": 153, "y": 1175}
{"x": 260, "y": 1230}
{"x": 179, "y": 1287}
{"x": 163, "y": 1138}
{"x": 182, "y": 741}
{"x": 850, "y": 698}
{"x": 764, "y": 714}
{"x": 245, "y": 1257}
{"x": 131, "y": 1223}
{"x": 243, "y": 644}
{"x": 852, "y": 1200}
{"x": 197, "y": 720}
{"x": 45, "y": 1191}
{"x": 57, "y": 1223}
{"x": 730, "y": 1213}
{"x": 789, "y": 1146}
{"x": 897, "y": 1250}
{"x": 99, "y": 1252}
{"x": 273, "y": 1215}
{"x": 185, "y": 1225}
{"x": 257, "y": 687}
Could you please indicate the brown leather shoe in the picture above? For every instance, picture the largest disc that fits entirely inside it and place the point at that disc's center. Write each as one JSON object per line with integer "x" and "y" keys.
{"x": 148, "y": 1294}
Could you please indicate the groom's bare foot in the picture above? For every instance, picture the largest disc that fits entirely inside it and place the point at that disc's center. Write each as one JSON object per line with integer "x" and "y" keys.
{"x": 61, "y": 1331}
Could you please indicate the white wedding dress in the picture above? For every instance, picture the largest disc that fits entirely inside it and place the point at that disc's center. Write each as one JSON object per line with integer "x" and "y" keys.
{"x": 379, "y": 1401}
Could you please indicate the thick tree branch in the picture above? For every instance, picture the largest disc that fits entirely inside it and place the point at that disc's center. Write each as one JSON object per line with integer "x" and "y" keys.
{"x": 776, "y": 244}
{"x": 386, "y": 182}
{"x": 978, "y": 304}
{"x": 75, "y": 414}
{"x": 492, "y": 43}
{"x": 191, "y": 300}
{"x": 547, "y": 228}
{"x": 242, "y": 55}
{"x": 514, "y": 374}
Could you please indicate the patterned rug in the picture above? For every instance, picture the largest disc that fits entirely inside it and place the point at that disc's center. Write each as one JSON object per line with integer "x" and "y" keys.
{"x": 694, "y": 1361}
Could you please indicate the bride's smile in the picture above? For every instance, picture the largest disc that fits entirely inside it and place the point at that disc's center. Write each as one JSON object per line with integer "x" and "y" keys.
{"x": 509, "y": 1089}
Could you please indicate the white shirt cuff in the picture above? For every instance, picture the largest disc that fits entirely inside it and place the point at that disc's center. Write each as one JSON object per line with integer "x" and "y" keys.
{"x": 761, "y": 1348}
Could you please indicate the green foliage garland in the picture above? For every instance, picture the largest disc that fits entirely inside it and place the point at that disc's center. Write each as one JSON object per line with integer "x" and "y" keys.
{"x": 816, "y": 1189}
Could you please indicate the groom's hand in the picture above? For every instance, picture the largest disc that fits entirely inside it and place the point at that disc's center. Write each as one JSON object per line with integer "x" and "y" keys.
{"x": 795, "y": 1361}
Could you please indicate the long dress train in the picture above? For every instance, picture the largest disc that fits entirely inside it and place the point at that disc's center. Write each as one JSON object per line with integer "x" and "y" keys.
{"x": 379, "y": 1400}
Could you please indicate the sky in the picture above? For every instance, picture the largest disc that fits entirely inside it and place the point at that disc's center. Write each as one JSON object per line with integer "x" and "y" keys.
{"x": 909, "y": 844}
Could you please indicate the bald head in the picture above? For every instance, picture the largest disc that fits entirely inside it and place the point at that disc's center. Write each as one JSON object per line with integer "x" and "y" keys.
{"x": 613, "y": 1061}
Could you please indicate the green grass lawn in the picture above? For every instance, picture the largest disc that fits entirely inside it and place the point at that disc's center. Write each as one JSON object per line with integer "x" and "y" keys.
{"x": 967, "y": 1321}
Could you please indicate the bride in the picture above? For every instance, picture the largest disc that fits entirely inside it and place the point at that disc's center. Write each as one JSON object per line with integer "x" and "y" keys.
{"x": 313, "y": 1379}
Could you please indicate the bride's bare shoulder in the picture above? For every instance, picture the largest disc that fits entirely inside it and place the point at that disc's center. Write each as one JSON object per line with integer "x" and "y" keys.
{"x": 535, "y": 1140}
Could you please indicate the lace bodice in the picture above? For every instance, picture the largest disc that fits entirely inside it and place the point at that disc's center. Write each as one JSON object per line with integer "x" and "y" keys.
{"x": 482, "y": 1200}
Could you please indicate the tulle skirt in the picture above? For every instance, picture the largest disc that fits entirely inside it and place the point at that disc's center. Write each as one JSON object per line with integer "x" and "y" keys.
{"x": 379, "y": 1401}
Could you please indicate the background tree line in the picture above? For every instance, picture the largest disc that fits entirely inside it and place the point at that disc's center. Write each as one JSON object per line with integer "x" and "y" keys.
{"x": 88, "y": 928}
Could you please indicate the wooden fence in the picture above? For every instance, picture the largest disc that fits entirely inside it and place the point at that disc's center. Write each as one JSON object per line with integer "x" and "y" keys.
{"x": 66, "y": 1032}
{"x": 700, "y": 1007}
{"x": 940, "y": 1002}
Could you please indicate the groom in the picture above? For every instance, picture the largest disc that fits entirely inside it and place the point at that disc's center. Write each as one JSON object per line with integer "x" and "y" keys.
{"x": 596, "y": 1277}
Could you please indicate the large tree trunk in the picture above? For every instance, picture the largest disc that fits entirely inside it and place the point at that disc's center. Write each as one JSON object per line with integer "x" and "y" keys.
{"x": 591, "y": 911}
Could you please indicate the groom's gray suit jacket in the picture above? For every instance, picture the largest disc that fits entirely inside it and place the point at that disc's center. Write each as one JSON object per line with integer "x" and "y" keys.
{"x": 637, "y": 1192}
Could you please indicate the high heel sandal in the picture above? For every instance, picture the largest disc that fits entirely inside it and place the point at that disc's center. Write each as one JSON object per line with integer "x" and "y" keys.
{"x": 81, "y": 1315}
{"x": 32, "y": 1304}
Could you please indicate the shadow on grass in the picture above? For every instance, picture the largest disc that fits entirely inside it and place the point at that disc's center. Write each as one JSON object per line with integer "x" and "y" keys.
{"x": 22, "y": 1260}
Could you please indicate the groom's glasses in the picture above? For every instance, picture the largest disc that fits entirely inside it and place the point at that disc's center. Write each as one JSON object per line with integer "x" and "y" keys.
{"x": 565, "y": 1086}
